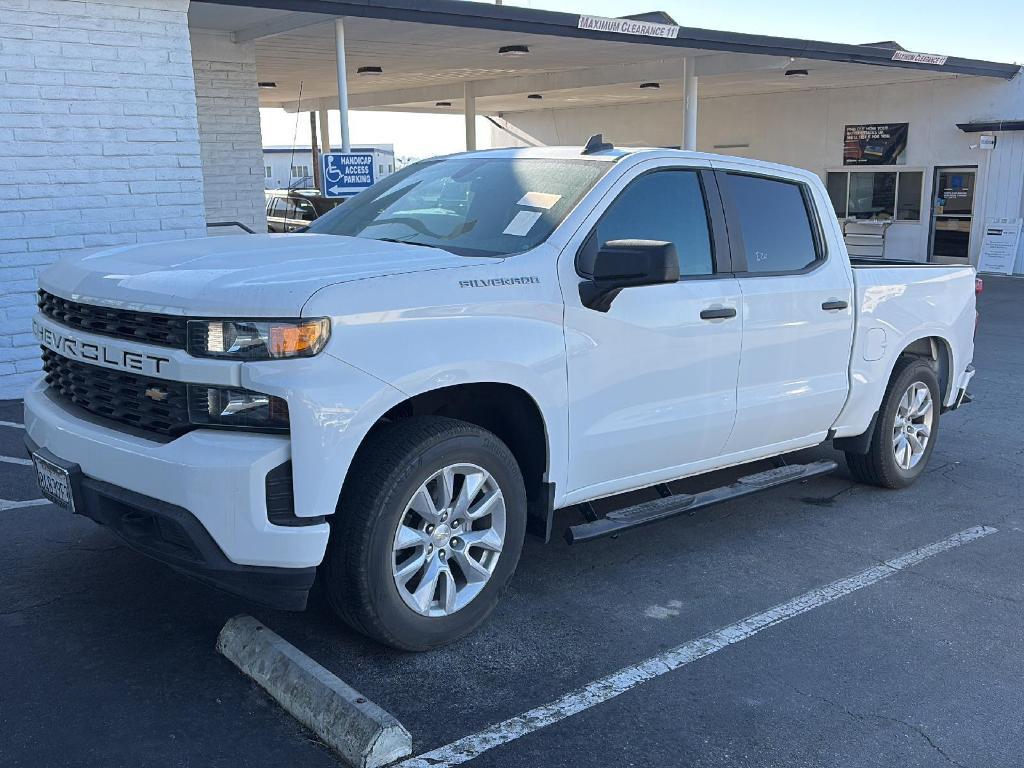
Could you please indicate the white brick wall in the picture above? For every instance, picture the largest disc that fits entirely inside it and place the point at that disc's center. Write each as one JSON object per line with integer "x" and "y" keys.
{"x": 99, "y": 144}
{"x": 227, "y": 97}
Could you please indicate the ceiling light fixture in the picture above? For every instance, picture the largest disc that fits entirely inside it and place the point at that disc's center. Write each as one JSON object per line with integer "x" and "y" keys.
{"x": 442, "y": 103}
{"x": 267, "y": 84}
{"x": 513, "y": 50}
{"x": 535, "y": 96}
{"x": 796, "y": 73}
{"x": 650, "y": 85}
{"x": 369, "y": 71}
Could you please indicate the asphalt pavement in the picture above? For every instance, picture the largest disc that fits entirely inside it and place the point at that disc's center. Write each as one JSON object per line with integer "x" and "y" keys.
{"x": 107, "y": 658}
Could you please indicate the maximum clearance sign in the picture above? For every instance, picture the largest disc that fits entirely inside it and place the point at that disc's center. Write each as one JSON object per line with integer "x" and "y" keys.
{"x": 346, "y": 174}
{"x": 628, "y": 27}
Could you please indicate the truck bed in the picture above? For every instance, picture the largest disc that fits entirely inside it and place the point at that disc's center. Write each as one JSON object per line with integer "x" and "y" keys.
{"x": 897, "y": 308}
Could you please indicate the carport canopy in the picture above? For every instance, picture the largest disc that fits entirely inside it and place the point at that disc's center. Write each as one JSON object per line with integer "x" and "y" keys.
{"x": 451, "y": 56}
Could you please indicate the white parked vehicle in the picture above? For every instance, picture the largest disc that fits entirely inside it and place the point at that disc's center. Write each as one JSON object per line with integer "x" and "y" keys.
{"x": 395, "y": 397}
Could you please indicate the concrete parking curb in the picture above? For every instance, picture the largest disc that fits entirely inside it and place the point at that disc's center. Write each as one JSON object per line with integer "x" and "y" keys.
{"x": 362, "y": 733}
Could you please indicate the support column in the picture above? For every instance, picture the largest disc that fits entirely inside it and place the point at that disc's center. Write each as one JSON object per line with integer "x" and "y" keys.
{"x": 470, "y": 102}
{"x": 339, "y": 42}
{"x": 325, "y": 131}
{"x": 689, "y": 105}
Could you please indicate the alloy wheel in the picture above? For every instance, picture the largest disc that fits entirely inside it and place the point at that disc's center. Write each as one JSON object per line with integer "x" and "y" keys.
{"x": 913, "y": 426}
{"x": 448, "y": 540}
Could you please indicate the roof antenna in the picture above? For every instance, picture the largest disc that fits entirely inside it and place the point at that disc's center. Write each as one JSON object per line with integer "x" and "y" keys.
{"x": 596, "y": 143}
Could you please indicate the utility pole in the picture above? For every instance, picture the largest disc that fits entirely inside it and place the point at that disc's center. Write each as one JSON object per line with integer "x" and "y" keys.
{"x": 314, "y": 145}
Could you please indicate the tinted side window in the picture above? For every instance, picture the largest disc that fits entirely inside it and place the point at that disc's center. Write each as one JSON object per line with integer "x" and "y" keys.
{"x": 774, "y": 222}
{"x": 665, "y": 205}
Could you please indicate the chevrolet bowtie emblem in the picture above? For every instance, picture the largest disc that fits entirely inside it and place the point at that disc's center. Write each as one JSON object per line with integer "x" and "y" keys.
{"x": 157, "y": 394}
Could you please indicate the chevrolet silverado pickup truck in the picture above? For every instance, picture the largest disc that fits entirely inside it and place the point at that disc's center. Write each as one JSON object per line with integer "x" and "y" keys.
{"x": 390, "y": 401}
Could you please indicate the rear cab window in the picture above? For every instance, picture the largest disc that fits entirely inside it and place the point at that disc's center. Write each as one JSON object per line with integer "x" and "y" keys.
{"x": 773, "y": 222}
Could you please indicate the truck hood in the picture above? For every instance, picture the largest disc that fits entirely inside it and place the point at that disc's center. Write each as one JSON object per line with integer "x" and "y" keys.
{"x": 252, "y": 275}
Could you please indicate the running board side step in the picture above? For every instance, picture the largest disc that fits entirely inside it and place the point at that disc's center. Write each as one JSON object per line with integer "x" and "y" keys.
{"x": 669, "y": 506}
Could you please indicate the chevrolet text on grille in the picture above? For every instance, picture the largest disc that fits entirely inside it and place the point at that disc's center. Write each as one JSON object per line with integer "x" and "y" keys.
{"x": 97, "y": 353}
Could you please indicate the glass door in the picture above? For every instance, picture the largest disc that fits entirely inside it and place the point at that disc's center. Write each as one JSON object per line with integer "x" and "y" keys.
{"x": 952, "y": 213}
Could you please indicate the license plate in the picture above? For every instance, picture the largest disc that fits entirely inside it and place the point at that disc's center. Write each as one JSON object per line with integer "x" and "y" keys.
{"x": 54, "y": 482}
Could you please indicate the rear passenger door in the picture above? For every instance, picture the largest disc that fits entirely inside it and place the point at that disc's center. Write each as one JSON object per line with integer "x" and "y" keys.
{"x": 652, "y": 383}
{"x": 797, "y": 301}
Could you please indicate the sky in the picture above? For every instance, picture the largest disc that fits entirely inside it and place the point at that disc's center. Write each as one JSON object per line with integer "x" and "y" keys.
{"x": 989, "y": 29}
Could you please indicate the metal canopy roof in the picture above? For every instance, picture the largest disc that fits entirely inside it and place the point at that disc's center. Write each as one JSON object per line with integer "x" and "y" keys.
{"x": 991, "y": 125}
{"x": 428, "y": 49}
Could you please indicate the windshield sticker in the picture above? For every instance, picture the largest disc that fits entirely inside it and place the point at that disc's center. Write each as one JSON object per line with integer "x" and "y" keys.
{"x": 523, "y": 222}
{"x": 539, "y": 200}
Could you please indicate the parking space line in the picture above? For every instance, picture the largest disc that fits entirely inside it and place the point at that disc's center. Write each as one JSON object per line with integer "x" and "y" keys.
{"x": 13, "y": 424}
{"x": 617, "y": 683}
{"x": 15, "y": 460}
{"x": 5, "y": 504}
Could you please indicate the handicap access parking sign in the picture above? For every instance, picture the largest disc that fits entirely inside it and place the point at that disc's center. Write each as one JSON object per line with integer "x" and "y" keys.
{"x": 346, "y": 173}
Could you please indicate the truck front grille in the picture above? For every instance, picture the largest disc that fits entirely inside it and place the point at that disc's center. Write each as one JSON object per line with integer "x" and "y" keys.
{"x": 165, "y": 330}
{"x": 120, "y": 396}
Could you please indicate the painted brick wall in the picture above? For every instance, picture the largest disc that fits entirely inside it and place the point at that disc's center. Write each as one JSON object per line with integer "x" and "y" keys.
{"x": 227, "y": 98}
{"x": 99, "y": 144}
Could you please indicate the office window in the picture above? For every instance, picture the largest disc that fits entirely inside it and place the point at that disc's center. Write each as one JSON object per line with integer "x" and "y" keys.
{"x": 876, "y": 195}
{"x": 908, "y": 196}
{"x": 298, "y": 171}
{"x": 872, "y": 196}
{"x": 774, "y": 222}
{"x": 666, "y": 205}
{"x": 269, "y": 171}
{"x": 838, "y": 185}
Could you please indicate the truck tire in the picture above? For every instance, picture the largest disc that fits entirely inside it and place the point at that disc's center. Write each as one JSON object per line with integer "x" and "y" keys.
{"x": 906, "y": 429}
{"x": 427, "y": 534}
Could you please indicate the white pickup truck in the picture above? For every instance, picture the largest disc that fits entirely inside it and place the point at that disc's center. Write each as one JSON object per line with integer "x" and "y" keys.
{"x": 391, "y": 400}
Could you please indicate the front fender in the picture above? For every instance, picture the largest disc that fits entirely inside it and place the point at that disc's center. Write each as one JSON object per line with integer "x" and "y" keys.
{"x": 331, "y": 406}
{"x": 405, "y": 335}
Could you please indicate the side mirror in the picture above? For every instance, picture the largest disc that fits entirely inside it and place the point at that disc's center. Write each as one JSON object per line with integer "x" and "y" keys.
{"x": 628, "y": 264}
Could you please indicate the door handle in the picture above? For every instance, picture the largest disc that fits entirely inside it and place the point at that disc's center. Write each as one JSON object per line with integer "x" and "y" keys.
{"x": 833, "y": 304}
{"x": 718, "y": 313}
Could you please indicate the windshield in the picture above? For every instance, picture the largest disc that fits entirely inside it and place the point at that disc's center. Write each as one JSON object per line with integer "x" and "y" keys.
{"x": 472, "y": 206}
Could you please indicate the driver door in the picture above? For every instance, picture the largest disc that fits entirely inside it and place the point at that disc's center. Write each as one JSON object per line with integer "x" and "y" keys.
{"x": 652, "y": 383}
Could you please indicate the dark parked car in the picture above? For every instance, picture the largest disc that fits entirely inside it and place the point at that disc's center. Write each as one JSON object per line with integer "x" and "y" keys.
{"x": 291, "y": 209}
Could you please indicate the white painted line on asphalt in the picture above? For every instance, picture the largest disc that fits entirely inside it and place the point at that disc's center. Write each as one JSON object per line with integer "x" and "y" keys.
{"x": 617, "y": 683}
{"x": 5, "y": 504}
{"x": 357, "y": 729}
{"x": 16, "y": 460}
{"x": 13, "y": 424}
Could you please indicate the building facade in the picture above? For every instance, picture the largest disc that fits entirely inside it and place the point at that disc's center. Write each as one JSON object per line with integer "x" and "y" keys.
{"x": 931, "y": 201}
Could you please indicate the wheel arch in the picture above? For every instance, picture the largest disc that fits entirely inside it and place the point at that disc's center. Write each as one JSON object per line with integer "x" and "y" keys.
{"x": 937, "y": 349}
{"x": 508, "y": 411}
{"x": 931, "y": 347}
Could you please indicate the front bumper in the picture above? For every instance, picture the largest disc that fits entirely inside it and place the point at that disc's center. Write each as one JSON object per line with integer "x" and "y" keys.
{"x": 217, "y": 478}
{"x": 174, "y": 537}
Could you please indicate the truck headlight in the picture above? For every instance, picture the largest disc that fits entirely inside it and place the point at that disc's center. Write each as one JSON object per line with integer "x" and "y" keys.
{"x": 235, "y": 407}
{"x": 257, "y": 339}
